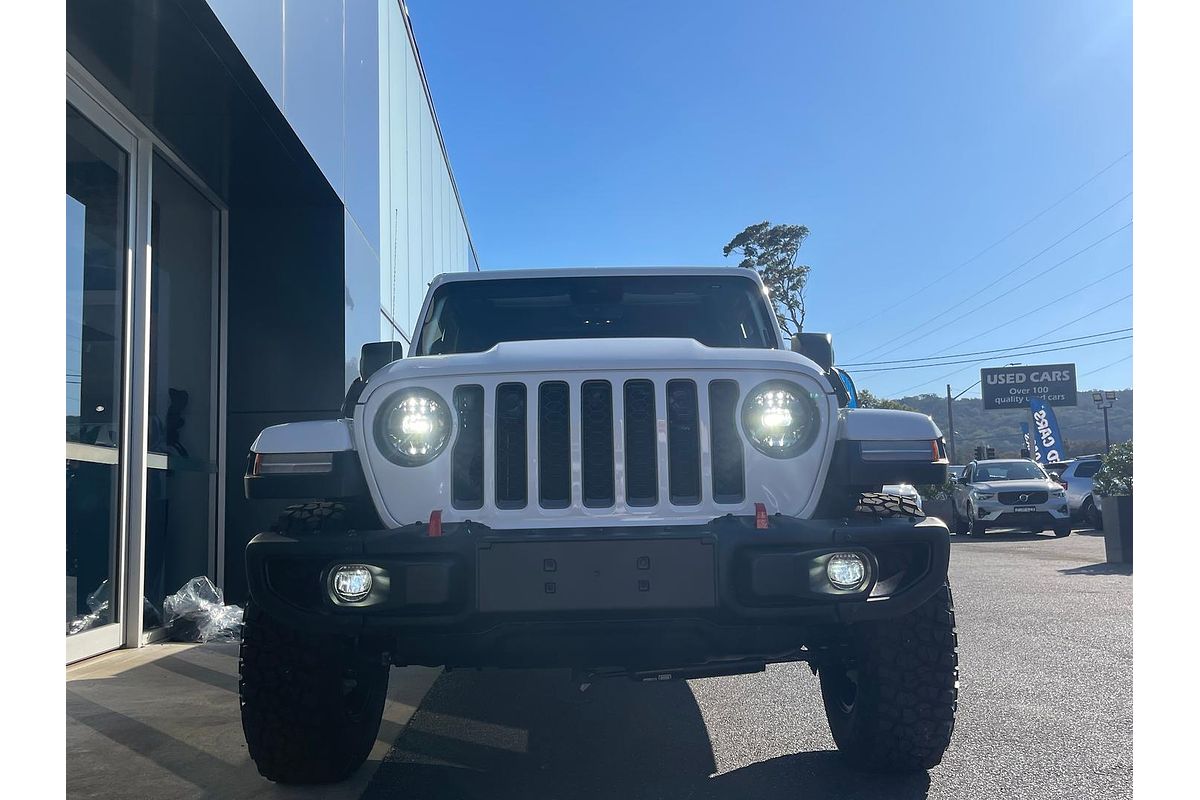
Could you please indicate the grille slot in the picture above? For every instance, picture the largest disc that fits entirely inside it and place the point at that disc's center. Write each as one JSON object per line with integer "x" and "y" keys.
{"x": 683, "y": 443}
{"x": 641, "y": 445}
{"x": 554, "y": 444}
{"x": 512, "y": 482}
{"x": 596, "y": 438}
{"x": 1032, "y": 498}
{"x": 466, "y": 459}
{"x": 728, "y": 467}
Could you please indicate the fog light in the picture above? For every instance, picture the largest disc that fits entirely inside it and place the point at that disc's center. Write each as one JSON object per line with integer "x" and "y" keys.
{"x": 846, "y": 570}
{"x": 351, "y": 583}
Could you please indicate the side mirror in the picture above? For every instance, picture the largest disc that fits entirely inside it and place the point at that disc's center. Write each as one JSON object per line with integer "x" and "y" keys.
{"x": 374, "y": 356}
{"x": 815, "y": 346}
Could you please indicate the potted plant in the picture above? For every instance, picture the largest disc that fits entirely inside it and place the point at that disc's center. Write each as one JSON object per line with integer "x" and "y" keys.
{"x": 935, "y": 500}
{"x": 1114, "y": 485}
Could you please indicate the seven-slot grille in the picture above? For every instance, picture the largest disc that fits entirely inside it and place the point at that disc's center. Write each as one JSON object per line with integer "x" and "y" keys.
{"x": 630, "y": 410}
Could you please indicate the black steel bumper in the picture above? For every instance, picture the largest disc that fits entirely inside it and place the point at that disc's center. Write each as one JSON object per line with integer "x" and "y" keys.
{"x": 662, "y": 595}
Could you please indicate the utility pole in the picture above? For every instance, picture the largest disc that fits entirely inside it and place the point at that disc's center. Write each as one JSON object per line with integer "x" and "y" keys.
{"x": 950, "y": 398}
{"x": 1104, "y": 401}
{"x": 950, "y": 418}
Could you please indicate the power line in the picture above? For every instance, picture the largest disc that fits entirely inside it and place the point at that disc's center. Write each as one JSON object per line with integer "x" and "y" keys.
{"x": 903, "y": 392}
{"x": 1009, "y": 355}
{"x": 1079, "y": 319}
{"x": 1023, "y": 264}
{"x": 987, "y": 249}
{"x": 982, "y": 352}
{"x": 1041, "y": 309}
{"x": 1113, "y": 364}
{"x": 1002, "y": 295}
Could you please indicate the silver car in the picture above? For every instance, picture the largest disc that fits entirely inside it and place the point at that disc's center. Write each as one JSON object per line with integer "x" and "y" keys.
{"x": 1008, "y": 493}
{"x": 1076, "y": 477}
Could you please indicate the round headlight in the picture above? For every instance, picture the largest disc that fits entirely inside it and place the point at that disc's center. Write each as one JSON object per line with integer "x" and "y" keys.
{"x": 412, "y": 427}
{"x": 780, "y": 419}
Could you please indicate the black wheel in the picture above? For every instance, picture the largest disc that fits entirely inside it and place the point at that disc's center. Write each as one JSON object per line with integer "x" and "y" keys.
{"x": 891, "y": 700}
{"x": 322, "y": 517}
{"x": 880, "y": 504}
{"x": 1062, "y": 529}
{"x": 1091, "y": 515}
{"x": 311, "y": 704}
{"x": 959, "y": 524}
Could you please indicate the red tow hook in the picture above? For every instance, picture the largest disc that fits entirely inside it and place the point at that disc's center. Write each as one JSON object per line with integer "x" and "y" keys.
{"x": 435, "y": 522}
{"x": 760, "y": 516}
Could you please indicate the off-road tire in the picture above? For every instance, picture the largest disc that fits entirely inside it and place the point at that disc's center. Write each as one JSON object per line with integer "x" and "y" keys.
{"x": 1061, "y": 530}
{"x": 311, "y": 704}
{"x": 325, "y": 516}
{"x": 891, "y": 699}
{"x": 878, "y": 504}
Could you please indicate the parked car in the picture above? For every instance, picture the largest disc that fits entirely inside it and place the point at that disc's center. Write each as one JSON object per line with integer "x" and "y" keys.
{"x": 618, "y": 472}
{"x": 907, "y": 492}
{"x": 1008, "y": 493}
{"x": 1076, "y": 477}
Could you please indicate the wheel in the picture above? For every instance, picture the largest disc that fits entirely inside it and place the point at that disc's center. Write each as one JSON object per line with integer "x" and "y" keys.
{"x": 311, "y": 704}
{"x": 1062, "y": 529}
{"x": 322, "y": 517}
{"x": 978, "y": 528}
{"x": 1091, "y": 515}
{"x": 960, "y": 525}
{"x": 887, "y": 505}
{"x": 891, "y": 701}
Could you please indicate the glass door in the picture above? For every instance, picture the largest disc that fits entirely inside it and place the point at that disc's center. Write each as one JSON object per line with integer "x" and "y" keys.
{"x": 99, "y": 185}
{"x": 181, "y": 460}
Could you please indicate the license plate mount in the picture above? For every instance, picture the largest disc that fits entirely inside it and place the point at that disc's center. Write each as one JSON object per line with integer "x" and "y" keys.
{"x": 1026, "y": 509}
{"x": 592, "y": 575}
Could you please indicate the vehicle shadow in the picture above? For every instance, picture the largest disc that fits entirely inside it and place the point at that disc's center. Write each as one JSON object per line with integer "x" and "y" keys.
{"x": 1005, "y": 536}
{"x": 531, "y": 734}
{"x": 1103, "y": 568}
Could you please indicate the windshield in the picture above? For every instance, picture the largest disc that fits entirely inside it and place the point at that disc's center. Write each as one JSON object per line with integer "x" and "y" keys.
{"x": 1010, "y": 471}
{"x": 718, "y": 311}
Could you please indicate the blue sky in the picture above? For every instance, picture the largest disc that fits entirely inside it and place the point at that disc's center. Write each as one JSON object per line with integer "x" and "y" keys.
{"x": 909, "y": 137}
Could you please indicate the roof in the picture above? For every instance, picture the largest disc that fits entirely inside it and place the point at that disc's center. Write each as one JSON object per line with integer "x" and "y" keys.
{"x": 586, "y": 272}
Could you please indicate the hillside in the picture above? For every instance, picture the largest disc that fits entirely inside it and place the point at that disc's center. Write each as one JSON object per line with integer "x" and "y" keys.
{"x": 1082, "y": 425}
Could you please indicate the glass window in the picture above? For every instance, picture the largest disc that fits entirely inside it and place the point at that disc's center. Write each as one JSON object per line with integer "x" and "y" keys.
{"x": 1087, "y": 469}
{"x": 473, "y": 316}
{"x": 97, "y": 172}
{"x": 181, "y": 479}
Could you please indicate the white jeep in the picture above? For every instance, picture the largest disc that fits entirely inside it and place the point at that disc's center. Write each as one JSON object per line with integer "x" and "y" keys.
{"x": 620, "y": 472}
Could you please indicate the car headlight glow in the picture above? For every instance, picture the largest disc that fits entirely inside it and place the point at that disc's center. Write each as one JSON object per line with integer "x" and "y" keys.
{"x": 413, "y": 427}
{"x": 780, "y": 419}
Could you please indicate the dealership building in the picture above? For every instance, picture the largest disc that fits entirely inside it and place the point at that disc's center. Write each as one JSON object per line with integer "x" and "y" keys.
{"x": 254, "y": 190}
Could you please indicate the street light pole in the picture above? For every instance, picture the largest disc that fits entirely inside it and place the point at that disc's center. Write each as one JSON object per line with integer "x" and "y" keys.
{"x": 950, "y": 418}
{"x": 1104, "y": 401}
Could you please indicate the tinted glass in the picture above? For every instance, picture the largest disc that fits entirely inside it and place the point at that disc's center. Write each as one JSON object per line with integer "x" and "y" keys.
{"x": 96, "y": 228}
{"x": 473, "y": 316}
{"x": 1009, "y": 471}
{"x": 1087, "y": 469}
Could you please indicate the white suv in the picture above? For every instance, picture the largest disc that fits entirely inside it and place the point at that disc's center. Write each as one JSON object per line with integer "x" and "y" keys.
{"x": 1008, "y": 493}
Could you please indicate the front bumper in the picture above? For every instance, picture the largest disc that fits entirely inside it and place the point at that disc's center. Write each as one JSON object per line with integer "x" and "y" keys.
{"x": 584, "y": 597}
{"x": 1000, "y": 514}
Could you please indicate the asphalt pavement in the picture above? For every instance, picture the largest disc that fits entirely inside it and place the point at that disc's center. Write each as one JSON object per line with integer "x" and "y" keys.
{"x": 1045, "y": 709}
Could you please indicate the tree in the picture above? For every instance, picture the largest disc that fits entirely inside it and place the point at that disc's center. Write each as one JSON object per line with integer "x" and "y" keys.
{"x": 867, "y": 399}
{"x": 772, "y": 251}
